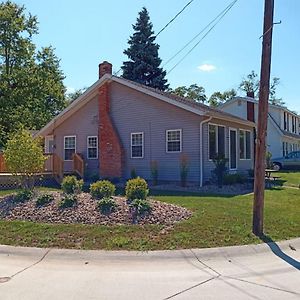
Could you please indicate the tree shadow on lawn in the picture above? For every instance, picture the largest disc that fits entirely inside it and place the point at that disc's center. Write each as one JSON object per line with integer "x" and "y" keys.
{"x": 278, "y": 252}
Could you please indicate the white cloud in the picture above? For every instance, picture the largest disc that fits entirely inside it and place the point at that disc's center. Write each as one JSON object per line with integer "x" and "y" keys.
{"x": 207, "y": 67}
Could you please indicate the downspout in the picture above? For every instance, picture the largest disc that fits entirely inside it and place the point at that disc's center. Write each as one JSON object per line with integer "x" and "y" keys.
{"x": 201, "y": 149}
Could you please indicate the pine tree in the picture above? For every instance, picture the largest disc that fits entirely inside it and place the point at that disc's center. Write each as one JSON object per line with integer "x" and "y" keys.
{"x": 143, "y": 64}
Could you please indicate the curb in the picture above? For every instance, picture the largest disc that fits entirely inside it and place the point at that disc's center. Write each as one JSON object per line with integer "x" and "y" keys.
{"x": 220, "y": 252}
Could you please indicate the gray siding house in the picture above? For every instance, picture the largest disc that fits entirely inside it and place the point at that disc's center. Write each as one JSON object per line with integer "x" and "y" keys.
{"x": 283, "y": 134}
{"x": 118, "y": 126}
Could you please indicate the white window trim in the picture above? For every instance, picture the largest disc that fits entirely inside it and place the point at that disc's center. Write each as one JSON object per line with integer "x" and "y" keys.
{"x": 170, "y": 130}
{"x": 236, "y": 149}
{"x": 132, "y": 133}
{"x": 69, "y": 136}
{"x": 88, "y": 147}
{"x": 217, "y": 143}
{"x": 245, "y": 145}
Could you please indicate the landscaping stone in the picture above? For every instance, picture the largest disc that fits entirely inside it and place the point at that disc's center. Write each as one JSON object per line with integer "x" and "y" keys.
{"x": 85, "y": 211}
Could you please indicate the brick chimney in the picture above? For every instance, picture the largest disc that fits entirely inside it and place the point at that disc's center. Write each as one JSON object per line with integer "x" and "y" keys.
{"x": 105, "y": 68}
{"x": 250, "y": 94}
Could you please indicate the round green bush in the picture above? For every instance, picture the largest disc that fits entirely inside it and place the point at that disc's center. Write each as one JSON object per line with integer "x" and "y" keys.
{"x": 23, "y": 195}
{"x": 44, "y": 199}
{"x": 102, "y": 189}
{"x": 136, "y": 188}
{"x": 71, "y": 185}
{"x": 140, "y": 207}
{"x": 68, "y": 201}
{"x": 107, "y": 205}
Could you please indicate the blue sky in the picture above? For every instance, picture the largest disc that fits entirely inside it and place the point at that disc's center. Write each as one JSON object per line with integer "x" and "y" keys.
{"x": 85, "y": 33}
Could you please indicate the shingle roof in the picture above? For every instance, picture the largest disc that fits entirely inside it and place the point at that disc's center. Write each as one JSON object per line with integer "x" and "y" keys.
{"x": 186, "y": 101}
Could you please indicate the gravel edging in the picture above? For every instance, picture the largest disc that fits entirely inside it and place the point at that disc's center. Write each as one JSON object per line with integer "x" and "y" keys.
{"x": 87, "y": 212}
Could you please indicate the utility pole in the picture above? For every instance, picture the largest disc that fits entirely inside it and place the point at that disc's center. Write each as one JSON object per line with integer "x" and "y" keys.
{"x": 264, "y": 89}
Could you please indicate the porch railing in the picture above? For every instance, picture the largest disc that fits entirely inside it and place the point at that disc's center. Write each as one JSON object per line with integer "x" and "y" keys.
{"x": 78, "y": 164}
{"x": 2, "y": 164}
{"x": 58, "y": 167}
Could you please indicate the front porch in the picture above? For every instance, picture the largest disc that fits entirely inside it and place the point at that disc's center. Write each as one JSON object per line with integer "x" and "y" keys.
{"x": 53, "y": 169}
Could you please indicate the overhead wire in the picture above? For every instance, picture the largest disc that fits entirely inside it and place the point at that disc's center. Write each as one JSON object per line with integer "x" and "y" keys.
{"x": 217, "y": 20}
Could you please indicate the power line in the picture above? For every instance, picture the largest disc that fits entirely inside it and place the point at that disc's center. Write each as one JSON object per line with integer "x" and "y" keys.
{"x": 217, "y": 19}
{"x": 174, "y": 18}
{"x": 171, "y": 21}
{"x": 198, "y": 34}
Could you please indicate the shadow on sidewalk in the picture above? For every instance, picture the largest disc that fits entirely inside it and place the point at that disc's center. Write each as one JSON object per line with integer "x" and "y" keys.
{"x": 278, "y": 252}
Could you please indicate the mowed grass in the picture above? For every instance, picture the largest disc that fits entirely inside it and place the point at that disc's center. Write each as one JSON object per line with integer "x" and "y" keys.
{"x": 216, "y": 221}
{"x": 290, "y": 178}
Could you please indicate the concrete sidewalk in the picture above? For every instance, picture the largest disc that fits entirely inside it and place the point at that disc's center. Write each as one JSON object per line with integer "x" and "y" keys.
{"x": 243, "y": 272}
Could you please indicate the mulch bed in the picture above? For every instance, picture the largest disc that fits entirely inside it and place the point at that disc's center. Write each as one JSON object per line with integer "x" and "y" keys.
{"x": 87, "y": 212}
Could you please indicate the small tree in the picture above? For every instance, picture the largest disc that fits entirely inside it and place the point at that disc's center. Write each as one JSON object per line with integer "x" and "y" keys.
{"x": 220, "y": 168}
{"x": 24, "y": 156}
{"x": 184, "y": 169}
{"x": 154, "y": 171}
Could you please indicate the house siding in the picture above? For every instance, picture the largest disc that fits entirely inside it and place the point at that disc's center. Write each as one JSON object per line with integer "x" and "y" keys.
{"x": 82, "y": 124}
{"x": 133, "y": 111}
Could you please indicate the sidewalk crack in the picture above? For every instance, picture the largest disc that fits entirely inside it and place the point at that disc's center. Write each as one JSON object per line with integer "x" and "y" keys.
{"x": 32, "y": 265}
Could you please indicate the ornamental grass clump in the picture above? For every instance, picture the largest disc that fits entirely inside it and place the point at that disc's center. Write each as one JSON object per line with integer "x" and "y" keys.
{"x": 136, "y": 188}
{"x": 102, "y": 189}
{"x": 71, "y": 185}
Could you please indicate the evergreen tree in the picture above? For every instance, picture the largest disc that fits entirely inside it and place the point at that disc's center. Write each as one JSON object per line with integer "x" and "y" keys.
{"x": 143, "y": 64}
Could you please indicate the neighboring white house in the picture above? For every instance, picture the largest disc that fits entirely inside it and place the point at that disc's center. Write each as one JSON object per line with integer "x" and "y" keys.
{"x": 283, "y": 134}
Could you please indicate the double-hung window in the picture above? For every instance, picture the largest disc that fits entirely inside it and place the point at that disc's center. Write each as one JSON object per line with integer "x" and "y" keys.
{"x": 173, "y": 140}
{"x": 245, "y": 144}
{"x": 216, "y": 140}
{"x": 137, "y": 145}
{"x": 92, "y": 147}
{"x": 69, "y": 147}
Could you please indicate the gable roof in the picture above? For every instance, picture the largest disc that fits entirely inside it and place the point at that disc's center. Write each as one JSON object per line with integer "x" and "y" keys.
{"x": 250, "y": 99}
{"x": 184, "y": 103}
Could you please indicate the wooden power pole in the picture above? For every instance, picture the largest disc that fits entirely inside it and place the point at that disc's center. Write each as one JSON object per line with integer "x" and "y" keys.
{"x": 264, "y": 89}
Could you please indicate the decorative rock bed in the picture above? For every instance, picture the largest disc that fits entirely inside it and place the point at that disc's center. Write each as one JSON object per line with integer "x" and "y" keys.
{"x": 87, "y": 212}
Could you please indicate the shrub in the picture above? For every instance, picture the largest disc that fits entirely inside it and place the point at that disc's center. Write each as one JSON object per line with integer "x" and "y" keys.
{"x": 136, "y": 189}
{"x": 71, "y": 185}
{"x": 139, "y": 207}
{"x": 24, "y": 157}
{"x": 184, "y": 169}
{"x": 234, "y": 178}
{"x": 107, "y": 205}
{"x": 68, "y": 200}
{"x": 154, "y": 171}
{"x": 44, "y": 199}
{"x": 102, "y": 189}
{"x": 269, "y": 164}
{"x": 251, "y": 173}
{"x": 220, "y": 168}
{"x": 23, "y": 195}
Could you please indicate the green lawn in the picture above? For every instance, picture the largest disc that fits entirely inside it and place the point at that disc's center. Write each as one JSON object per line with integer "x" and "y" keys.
{"x": 216, "y": 221}
{"x": 290, "y": 178}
